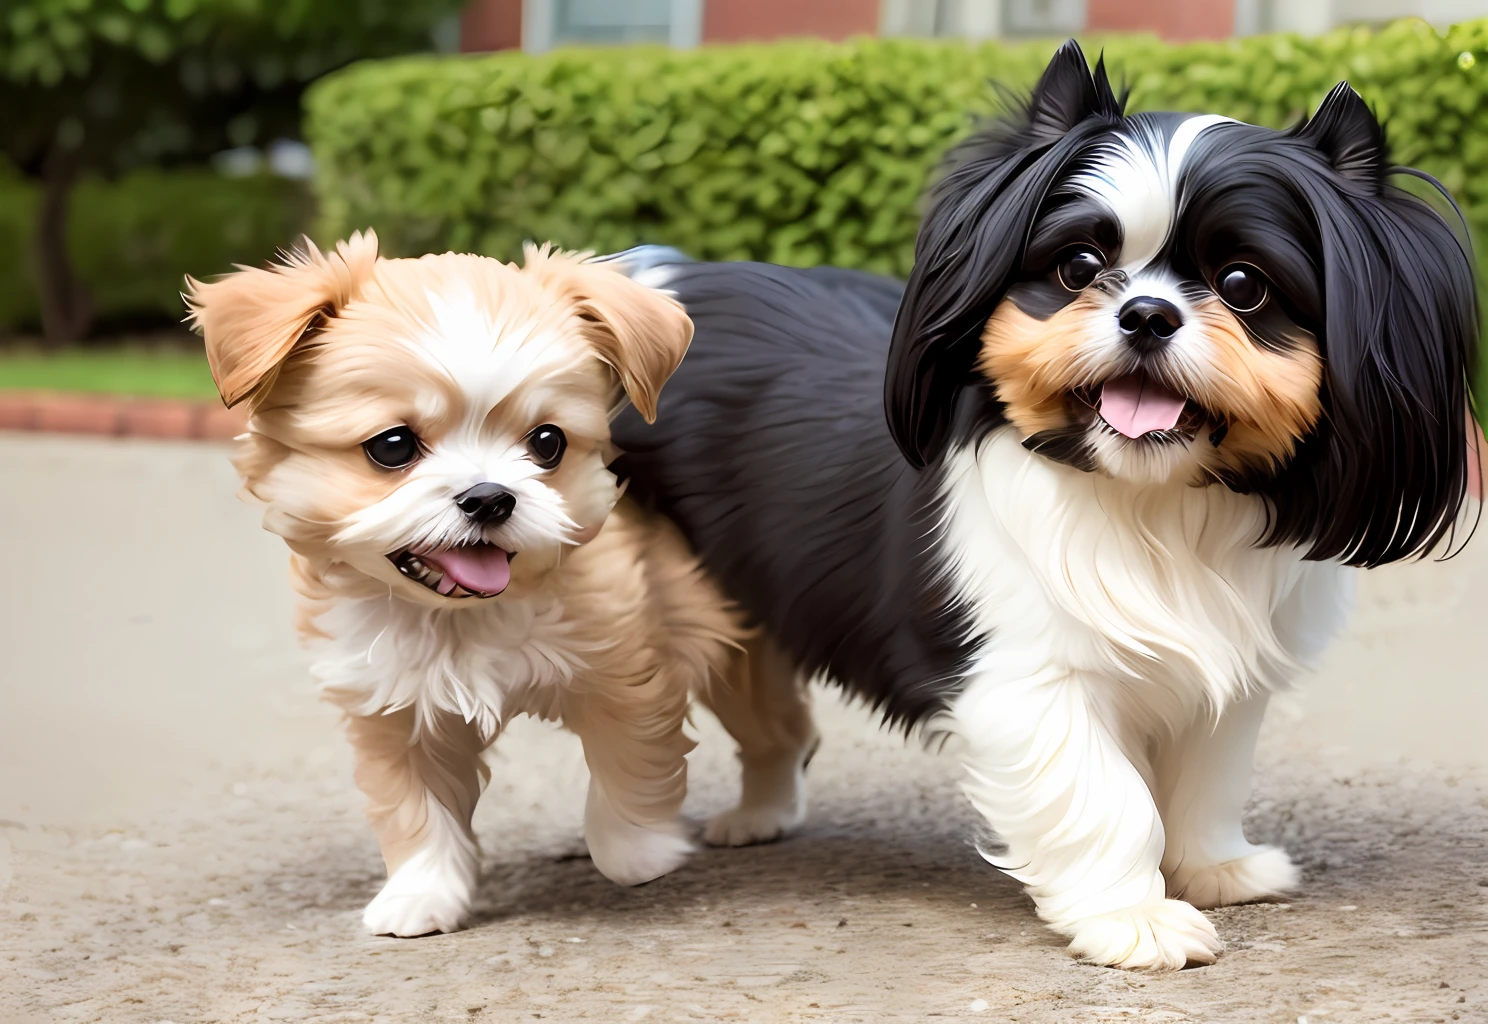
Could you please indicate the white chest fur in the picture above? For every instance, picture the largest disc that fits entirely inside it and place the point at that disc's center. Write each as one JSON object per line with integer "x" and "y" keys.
{"x": 486, "y": 663}
{"x": 1157, "y": 593}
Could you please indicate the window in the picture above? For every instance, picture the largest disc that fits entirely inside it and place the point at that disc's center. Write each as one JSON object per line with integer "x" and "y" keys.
{"x": 550, "y": 23}
{"x": 608, "y": 21}
{"x": 982, "y": 19}
{"x": 1042, "y": 17}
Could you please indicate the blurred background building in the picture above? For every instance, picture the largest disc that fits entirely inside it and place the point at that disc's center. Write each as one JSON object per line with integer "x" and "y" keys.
{"x": 538, "y": 25}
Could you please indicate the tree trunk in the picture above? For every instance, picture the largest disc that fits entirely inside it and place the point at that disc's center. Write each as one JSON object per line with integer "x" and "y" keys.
{"x": 66, "y": 308}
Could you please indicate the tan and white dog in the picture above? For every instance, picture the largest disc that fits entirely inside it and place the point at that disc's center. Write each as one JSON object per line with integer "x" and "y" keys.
{"x": 430, "y": 437}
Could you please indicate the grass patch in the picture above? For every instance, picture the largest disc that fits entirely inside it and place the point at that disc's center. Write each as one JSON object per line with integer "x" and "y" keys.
{"x": 130, "y": 369}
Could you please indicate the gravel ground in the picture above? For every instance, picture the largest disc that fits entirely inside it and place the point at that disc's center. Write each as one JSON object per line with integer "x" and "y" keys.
{"x": 180, "y": 840}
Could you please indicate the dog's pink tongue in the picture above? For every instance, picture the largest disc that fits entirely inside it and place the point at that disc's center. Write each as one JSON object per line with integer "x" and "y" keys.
{"x": 1136, "y": 405}
{"x": 481, "y": 568}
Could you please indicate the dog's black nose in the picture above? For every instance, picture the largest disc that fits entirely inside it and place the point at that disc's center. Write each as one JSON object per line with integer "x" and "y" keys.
{"x": 1148, "y": 322}
{"x": 487, "y": 504}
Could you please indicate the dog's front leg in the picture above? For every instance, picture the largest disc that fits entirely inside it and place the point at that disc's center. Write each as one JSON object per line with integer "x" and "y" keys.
{"x": 1203, "y": 780}
{"x": 637, "y": 756}
{"x": 422, "y": 786}
{"x": 1074, "y": 821}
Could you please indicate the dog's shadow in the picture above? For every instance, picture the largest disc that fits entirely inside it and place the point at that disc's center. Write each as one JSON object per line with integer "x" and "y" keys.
{"x": 925, "y": 857}
{"x": 812, "y": 874}
{"x": 813, "y": 870}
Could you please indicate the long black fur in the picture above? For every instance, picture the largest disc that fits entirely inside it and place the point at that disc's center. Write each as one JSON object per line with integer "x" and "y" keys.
{"x": 1384, "y": 475}
{"x": 970, "y": 245}
{"x": 771, "y": 451}
{"x": 821, "y": 515}
{"x": 1374, "y": 272}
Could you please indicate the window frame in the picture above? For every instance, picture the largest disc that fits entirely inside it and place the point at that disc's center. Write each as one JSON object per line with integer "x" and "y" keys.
{"x": 539, "y": 25}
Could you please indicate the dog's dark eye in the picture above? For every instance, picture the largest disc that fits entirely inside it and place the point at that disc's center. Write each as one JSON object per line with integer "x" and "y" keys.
{"x": 1078, "y": 267}
{"x": 547, "y": 444}
{"x": 392, "y": 449}
{"x": 1242, "y": 287}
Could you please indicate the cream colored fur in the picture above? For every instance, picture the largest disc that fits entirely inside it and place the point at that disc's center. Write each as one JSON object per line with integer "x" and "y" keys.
{"x": 607, "y": 623}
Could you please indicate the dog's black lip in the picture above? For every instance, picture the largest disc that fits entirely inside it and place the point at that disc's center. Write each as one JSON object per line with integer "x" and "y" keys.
{"x": 410, "y": 564}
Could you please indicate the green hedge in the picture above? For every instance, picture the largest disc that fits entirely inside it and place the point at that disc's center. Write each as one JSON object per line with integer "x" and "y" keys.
{"x": 133, "y": 240}
{"x": 799, "y": 153}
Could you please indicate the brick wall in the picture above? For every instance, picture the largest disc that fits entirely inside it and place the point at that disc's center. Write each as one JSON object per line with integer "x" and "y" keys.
{"x": 497, "y": 24}
{"x": 1171, "y": 19}
{"x": 733, "y": 21}
{"x": 491, "y": 25}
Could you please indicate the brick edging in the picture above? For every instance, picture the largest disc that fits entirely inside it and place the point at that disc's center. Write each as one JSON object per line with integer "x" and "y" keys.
{"x": 119, "y": 416}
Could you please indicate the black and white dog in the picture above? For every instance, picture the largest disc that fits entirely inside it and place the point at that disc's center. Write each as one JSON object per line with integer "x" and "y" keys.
{"x": 1154, "y": 384}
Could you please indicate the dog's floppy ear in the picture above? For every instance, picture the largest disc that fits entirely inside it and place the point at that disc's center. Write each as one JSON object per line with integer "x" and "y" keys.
{"x": 251, "y": 319}
{"x": 971, "y": 244}
{"x": 1386, "y": 472}
{"x": 1349, "y": 136}
{"x": 639, "y": 332}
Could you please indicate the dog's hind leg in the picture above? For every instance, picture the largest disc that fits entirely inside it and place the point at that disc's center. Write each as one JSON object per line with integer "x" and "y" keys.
{"x": 765, "y": 706}
{"x": 422, "y": 783}
{"x": 1202, "y": 782}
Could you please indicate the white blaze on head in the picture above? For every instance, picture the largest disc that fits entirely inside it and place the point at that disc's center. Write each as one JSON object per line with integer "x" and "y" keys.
{"x": 486, "y": 355}
{"x": 1136, "y": 176}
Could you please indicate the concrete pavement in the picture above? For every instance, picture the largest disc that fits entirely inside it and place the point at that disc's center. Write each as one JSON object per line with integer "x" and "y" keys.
{"x": 180, "y": 841}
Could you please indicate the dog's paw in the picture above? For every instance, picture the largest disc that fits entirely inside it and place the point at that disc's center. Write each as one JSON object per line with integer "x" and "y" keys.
{"x": 743, "y": 826}
{"x": 640, "y": 855}
{"x": 1159, "y": 936}
{"x": 1267, "y": 872}
{"x": 422, "y": 897}
{"x": 629, "y": 853}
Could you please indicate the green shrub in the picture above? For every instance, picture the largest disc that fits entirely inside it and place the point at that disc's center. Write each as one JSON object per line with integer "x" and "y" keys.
{"x": 133, "y": 240}
{"x": 802, "y": 153}
{"x": 798, "y": 153}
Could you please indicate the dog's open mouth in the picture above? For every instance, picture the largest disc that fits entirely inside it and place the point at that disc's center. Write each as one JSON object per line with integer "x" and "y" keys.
{"x": 1139, "y": 406}
{"x": 469, "y": 570}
